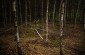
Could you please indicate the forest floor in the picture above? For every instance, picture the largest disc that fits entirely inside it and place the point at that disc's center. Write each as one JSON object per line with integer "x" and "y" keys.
{"x": 31, "y": 44}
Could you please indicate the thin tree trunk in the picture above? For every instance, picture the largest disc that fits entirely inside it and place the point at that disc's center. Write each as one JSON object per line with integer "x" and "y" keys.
{"x": 35, "y": 15}
{"x": 65, "y": 14}
{"x": 54, "y": 14}
{"x": 17, "y": 30}
{"x": 42, "y": 17}
{"x": 20, "y": 11}
{"x": 62, "y": 19}
{"x": 47, "y": 21}
{"x": 5, "y": 14}
{"x": 35, "y": 9}
{"x": 77, "y": 12}
{"x": 84, "y": 24}
{"x": 26, "y": 13}
{"x": 62, "y": 10}
{"x": 30, "y": 12}
{"x": 10, "y": 12}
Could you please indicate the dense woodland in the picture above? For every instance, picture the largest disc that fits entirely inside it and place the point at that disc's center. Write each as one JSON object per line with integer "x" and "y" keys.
{"x": 42, "y": 27}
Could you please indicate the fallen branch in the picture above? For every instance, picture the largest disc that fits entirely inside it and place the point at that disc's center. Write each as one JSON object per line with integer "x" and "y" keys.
{"x": 39, "y": 34}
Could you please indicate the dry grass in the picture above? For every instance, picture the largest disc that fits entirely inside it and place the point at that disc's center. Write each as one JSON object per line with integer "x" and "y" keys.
{"x": 31, "y": 44}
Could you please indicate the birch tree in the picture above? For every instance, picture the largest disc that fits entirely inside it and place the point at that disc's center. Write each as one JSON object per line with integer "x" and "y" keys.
{"x": 47, "y": 21}
{"x": 17, "y": 30}
{"x": 62, "y": 10}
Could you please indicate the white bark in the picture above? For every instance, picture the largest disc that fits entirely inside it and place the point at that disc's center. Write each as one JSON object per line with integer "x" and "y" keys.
{"x": 62, "y": 10}
{"x": 17, "y": 30}
{"x": 39, "y": 34}
{"x": 61, "y": 19}
{"x": 16, "y": 25}
{"x": 47, "y": 21}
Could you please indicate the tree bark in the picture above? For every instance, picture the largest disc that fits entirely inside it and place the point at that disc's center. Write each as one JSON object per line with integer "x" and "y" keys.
{"x": 20, "y": 11}
{"x": 47, "y": 21}
{"x": 62, "y": 10}
{"x": 26, "y": 12}
{"x": 30, "y": 12}
{"x": 17, "y": 30}
{"x": 54, "y": 14}
{"x": 10, "y": 12}
{"x": 42, "y": 17}
{"x": 77, "y": 12}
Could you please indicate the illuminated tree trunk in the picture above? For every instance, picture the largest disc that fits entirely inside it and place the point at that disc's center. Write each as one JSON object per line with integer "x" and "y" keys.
{"x": 62, "y": 19}
{"x": 47, "y": 21}
{"x": 54, "y": 14}
{"x": 17, "y": 30}
{"x": 62, "y": 10}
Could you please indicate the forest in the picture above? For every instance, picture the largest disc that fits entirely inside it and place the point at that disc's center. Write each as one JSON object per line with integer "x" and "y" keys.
{"x": 42, "y": 27}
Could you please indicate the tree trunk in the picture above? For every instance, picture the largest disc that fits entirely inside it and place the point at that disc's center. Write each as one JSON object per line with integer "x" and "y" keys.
{"x": 47, "y": 21}
{"x": 77, "y": 12}
{"x": 10, "y": 12}
{"x": 62, "y": 10}
{"x": 17, "y": 30}
{"x": 20, "y": 11}
{"x": 5, "y": 14}
{"x": 26, "y": 13}
{"x": 35, "y": 15}
{"x": 65, "y": 14}
{"x": 30, "y": 12}
{"x": 42, "y": 17}
{"x": 54, "y": 14}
